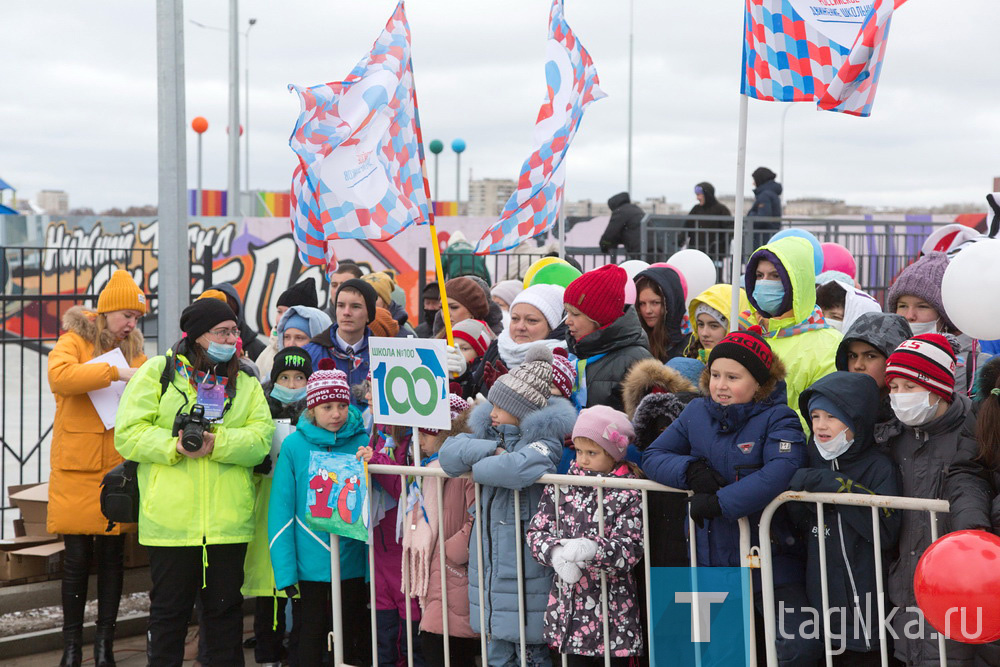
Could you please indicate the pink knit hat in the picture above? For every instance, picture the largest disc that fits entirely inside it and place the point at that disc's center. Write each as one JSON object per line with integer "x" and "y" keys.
{"x": 610, "y": 429}
{"x": 563, "y": 372}
{"x": 327, "y": 386}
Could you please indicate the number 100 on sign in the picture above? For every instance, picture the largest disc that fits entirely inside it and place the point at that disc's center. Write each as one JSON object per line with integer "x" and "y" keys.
{"x": 409, "y": 382}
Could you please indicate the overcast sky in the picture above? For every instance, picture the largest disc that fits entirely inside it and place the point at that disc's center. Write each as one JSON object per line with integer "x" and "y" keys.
{"x": 78, "y": 97}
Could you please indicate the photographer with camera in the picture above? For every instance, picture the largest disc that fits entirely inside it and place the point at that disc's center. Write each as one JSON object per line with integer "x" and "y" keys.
{"x": 196, "y": 425}
{"x": 83, "y": 452}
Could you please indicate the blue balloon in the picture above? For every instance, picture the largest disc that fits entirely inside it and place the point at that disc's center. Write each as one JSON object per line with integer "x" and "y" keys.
{"x": 458, "y": 145}
{"x": 808, "y": 236}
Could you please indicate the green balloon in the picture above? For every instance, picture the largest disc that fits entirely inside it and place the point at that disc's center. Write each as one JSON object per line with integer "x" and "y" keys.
{"x": 555, "y": 274}
{"x": 436, "y": 146}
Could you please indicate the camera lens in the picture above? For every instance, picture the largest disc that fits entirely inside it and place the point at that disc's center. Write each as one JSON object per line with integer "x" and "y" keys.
{"x": 193, "y": 437}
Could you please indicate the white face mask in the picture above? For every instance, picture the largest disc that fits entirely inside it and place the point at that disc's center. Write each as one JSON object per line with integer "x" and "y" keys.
{"x": 914, "y": 408}
{"x": 836, "y": 324}
{"x": 919, "y": 328}
{"x": 835, "y": 446}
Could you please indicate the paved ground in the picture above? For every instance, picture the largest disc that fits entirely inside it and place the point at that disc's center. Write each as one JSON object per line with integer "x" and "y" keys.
{"x": 129, "y": 652}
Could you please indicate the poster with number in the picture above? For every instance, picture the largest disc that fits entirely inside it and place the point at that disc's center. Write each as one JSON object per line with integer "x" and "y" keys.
{"x": 409, "y": 382}
{"x": 337, "y": 500}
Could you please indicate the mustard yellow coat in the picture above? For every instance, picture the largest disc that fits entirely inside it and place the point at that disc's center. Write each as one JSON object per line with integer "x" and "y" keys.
{"x": 83, "y": 451}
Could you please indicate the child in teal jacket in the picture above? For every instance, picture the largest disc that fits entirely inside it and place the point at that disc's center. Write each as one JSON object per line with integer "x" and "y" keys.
{"x": 300, "y": 555}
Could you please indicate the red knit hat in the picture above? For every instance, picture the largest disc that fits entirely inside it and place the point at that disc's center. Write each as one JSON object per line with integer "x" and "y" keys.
{"x": 327, "y": 386}
{"x": 476, "y": 333}
{"x": 599, "y": 294}
{"x": 927, "y": 360}
{"x": 563, "y": 372}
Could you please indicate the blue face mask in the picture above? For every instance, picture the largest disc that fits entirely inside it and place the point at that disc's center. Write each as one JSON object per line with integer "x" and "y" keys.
{"x": 769, "y": 294}
{"x": 287, "y": 396}
{"x": 220, "y": 353}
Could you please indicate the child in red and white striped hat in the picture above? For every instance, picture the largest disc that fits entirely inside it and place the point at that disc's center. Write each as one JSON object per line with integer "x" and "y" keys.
{"x": 920, "y": 375}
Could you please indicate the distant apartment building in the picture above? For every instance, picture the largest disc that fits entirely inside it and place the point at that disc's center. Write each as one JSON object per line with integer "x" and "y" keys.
{"x": 53, "y": 202}
{"x": 487, "y": 196}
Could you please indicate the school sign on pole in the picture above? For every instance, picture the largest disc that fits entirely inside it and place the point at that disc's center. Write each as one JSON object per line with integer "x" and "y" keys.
{"x": 409, "y": 382}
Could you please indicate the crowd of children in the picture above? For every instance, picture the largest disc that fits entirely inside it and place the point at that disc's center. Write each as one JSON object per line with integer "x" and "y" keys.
{"x": 845, "y": 399}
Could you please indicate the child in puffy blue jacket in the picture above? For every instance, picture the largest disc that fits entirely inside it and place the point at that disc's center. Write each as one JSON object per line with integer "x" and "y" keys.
{"x": 300, "y": 556}
{"x": 737, "y": 449}
{"x": 515, "y": 438}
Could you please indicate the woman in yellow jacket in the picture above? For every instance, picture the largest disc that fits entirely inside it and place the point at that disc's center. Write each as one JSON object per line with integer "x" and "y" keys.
{"x": 83, "y": 452}
{"x": 196, "y": 494}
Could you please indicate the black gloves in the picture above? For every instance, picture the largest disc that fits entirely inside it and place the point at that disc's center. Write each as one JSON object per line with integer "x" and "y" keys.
{"x": 703, "y": 478}
{"x": 290, "y": 591}
{"x": 704, "y": 506}
{"x": 264, "y": 467}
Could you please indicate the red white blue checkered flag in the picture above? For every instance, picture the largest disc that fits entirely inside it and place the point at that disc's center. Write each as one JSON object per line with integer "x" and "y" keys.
{"x": 571, "y": 79}
{"x": 359, "y": 174}
{"x": 806, "y": 50}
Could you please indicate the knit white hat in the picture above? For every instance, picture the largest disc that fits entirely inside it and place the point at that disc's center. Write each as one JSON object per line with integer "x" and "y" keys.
{"x": 548, "y": 299}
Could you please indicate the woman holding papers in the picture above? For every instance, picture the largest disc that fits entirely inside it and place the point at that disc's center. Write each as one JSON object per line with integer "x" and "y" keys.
{"x": 98, "y": 350}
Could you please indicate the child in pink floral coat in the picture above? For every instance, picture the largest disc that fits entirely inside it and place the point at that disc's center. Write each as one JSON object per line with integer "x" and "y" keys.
{"x": 570, "y": 542}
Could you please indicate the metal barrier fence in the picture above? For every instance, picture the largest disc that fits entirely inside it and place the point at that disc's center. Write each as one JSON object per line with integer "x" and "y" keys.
{"x": 932, "y": 506}
{"x": 600, "y": 483}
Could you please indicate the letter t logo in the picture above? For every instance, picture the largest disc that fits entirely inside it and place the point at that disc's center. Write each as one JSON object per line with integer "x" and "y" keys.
{"x": 701, "y": 631}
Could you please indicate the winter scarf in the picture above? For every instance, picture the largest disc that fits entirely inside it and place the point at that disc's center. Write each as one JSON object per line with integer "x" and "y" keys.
{"x": 814, "y": 322}
{"x": 513, "y": 353}
{"x": 418, "y": 543}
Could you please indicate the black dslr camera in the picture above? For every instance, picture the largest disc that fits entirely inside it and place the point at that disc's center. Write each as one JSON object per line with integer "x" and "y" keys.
{"x": 192, "y": 425}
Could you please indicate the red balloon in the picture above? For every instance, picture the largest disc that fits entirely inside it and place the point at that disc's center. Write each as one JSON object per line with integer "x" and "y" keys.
{"x": 838, "y": 258}
{"x": 957, "y": 583}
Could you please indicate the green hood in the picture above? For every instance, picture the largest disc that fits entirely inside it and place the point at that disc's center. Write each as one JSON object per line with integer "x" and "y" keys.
{"x": 793, "y": 258}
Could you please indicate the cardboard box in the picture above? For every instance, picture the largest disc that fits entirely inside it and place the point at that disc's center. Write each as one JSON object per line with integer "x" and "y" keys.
{"x": 14, "y": 543}
{"x": 32, "y": 500}
{"x": 33, "y": 561}
{"x": 136, "y": 555}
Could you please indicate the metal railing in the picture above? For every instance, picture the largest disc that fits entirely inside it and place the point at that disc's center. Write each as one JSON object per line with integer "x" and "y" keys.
{"x": 877, "y": 503}
{"x": 600, "y": 483}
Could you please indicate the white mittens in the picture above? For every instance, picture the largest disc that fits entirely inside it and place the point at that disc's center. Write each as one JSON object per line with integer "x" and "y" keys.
{"x": 456, "y": 361}
{"x": 579, "y": 549}
{"x": 565, "y": 570}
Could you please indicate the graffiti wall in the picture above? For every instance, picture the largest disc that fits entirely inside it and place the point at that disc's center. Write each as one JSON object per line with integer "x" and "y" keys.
{"x": 257, "y": 255}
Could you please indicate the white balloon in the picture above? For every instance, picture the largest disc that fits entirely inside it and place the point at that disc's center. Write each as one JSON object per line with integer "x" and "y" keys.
{"x": 969, "y": 288}
{"x": 634, "y": 267}
{"x": 698, "y": 269}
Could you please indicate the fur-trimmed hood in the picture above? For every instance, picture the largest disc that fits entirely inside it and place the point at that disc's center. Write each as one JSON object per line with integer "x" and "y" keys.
{"x": 763, "y": 392}
{"x": 648, "y": 375}
{"x": 83, "y": 322}
{"x": 556, "y": 420}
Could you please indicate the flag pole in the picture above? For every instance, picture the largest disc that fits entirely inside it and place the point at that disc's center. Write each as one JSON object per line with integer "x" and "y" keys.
{"x": 741, "y": 168}
{"x": 445, "y": 311}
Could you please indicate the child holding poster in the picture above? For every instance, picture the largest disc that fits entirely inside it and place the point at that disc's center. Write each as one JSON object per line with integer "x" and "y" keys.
{"x": 286, "y": 398}
{"x": 307, "y": 490}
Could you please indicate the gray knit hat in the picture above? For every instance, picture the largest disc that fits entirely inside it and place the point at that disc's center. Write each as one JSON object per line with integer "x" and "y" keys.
{"x": 526, "y": 388}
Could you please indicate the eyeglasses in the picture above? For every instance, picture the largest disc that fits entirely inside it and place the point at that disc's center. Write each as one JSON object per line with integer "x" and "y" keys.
{"x": 224, "y": 333}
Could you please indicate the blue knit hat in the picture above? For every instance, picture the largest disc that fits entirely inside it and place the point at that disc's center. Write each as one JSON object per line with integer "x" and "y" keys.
{"x": 691, "y": 369}
{"x": 822, "y": 402}
{"x": 296, "y": 321}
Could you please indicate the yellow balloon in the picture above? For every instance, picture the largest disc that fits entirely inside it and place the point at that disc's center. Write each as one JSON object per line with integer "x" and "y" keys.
{"x": 544, "y": 261}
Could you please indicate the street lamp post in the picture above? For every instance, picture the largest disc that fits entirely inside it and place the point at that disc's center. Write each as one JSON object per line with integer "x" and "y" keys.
{"x": 233, "y": 204}
{"x": 199, "y": 125}
{"x": 458, "y": 145}
{"x": 246, "y": 115}
{"x": 436, "y": 147}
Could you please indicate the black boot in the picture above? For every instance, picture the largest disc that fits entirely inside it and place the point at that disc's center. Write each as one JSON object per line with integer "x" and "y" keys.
{"x": 76, "y": 568}
{"x": 72, "y": 648}
{"x": 104, "y": 650}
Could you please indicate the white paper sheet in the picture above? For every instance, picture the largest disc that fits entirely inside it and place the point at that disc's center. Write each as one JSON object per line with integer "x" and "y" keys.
{"x": 106, "y": 400}
{"x": 282, "y": 428}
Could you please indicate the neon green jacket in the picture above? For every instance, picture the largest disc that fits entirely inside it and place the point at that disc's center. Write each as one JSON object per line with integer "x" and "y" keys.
{"x": 183, "y": 501}
{"x": 803, "y": 342}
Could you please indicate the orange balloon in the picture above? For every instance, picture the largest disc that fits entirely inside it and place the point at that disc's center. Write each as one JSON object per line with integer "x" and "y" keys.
{"x": 199, "y": 124}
